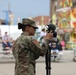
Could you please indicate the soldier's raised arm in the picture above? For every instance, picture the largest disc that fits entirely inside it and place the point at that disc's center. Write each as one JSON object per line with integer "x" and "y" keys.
{"x": 38, "y": 49}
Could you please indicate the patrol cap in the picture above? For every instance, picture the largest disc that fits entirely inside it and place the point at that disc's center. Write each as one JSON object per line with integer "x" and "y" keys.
{"x": 30, "y": 22}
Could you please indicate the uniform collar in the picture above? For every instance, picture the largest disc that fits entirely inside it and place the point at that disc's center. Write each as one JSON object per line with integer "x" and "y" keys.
{"x": 25, "y": 33}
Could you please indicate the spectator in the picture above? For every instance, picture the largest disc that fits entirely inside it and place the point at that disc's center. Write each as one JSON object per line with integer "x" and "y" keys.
{"x": 59, "y": 47}
{"x": 63, "y": 44}
{"x": 54, "y": 46}
{"x": 6, "y": 41}
{"x": 43, "y": 33}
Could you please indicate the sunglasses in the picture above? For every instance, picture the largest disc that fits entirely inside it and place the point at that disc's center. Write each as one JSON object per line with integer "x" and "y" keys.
{"x": 34, "y": 27}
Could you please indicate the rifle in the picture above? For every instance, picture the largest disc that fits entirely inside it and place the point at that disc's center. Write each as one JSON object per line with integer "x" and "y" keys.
{"x": 48, "y": 54}
{"x": 48, "y": 61}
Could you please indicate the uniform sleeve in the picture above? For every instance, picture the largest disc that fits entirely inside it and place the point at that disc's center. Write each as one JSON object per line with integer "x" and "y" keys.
{"x": 37, "y": 49}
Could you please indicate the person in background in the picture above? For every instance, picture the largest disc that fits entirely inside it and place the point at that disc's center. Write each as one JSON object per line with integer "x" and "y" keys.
{"x": 6, "y": 41}
{"x": 54, "y": 46}
{"x": 27, "y": 49}
{"x": 59, "y": 46}
{"x": 63, "y": 44}
{"x": 43, "y": 34}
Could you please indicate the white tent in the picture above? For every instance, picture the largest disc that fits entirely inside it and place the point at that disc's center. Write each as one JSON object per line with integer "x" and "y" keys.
{"x": 12, "y": 31}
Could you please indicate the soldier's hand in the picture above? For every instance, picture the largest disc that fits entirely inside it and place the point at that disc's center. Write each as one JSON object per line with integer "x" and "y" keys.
{"x": 48, "y": 35}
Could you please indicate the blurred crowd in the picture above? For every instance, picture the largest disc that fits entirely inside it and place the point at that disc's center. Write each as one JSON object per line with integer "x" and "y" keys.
{"x": 8, "y": 41}
{"x": 55, "y": 39}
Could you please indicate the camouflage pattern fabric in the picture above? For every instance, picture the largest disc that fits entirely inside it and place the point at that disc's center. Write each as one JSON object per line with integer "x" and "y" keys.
{"x": 29, "y": 22}
{"x": 26, "y": 50}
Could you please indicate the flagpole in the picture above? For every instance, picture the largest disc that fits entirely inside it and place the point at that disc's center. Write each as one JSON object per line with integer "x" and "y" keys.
{"x": 9, "y": 16}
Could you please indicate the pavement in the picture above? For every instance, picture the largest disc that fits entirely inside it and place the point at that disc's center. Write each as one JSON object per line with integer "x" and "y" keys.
{"x": 65, "y": 67}
{"x": 8, "y": 57}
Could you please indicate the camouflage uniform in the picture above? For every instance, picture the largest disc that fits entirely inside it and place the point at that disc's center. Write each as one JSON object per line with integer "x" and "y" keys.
{"x": 26, "y": 50}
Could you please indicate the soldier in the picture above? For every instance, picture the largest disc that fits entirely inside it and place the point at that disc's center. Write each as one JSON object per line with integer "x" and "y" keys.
{"x": 27, "y": 49}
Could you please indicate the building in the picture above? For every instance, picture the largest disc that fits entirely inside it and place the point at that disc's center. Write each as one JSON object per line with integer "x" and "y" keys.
{"x": 42, "y": 20}
{"x": 66, "y": 12}
{"x": 3, "y": 22}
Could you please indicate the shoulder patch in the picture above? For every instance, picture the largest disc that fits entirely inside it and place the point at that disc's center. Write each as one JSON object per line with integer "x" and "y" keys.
{"x": 35, "y": 42}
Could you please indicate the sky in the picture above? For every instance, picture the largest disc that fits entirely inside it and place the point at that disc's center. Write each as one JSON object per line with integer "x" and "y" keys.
{"x": 25, "y": 8}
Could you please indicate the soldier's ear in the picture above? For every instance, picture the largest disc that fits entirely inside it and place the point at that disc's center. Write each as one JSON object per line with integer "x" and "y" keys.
{"x": 27, "y": 28}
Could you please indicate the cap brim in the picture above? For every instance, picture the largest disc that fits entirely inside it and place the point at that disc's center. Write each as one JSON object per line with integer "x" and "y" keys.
{"x": 35, "y": 27}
